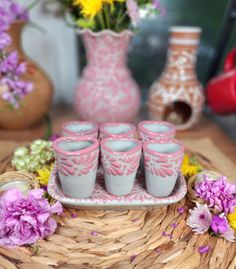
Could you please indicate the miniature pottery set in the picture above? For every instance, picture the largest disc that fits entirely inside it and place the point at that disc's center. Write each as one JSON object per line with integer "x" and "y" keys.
{"x": 79, "y": 170}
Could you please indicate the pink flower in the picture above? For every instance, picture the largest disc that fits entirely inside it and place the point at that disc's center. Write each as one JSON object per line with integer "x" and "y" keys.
{"x": 24, "y": 220}
{"x": 219, "y": 225}
{"x": 218, "y": 194}
{"x": 133, "y": 11}
{"x": 200, "y": 219}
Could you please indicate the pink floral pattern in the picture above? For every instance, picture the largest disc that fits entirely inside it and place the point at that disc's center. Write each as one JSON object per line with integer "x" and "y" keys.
{"x": 102, "y": 199}
{"x": 145, "y": 137}
{"x": 125, "y": 165}
{"x": 79, "y": 166}
{"x": 106, "y": 91}
{"x": 162, "y": 166}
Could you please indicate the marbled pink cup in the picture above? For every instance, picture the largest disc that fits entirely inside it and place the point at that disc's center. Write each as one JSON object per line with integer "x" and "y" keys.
{"x": 155, "y": 130}
{"x": 162, "y": 163}
{"x": 117, "y": 130}
{"x": 77, "y": 161}
{"x": 120, "y": 160}
{"x": 80, "y": 128}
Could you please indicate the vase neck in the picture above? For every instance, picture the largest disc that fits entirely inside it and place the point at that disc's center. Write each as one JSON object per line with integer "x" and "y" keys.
{"x": 15, "y": 33}
{"x": 106, "y": 51}
{"x": 182, "y": 55}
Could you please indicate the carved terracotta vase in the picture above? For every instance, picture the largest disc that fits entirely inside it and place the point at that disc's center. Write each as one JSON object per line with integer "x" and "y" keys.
{"x": 107, "y": 92}
{"x": 37, "y": 103}
{"x": 177, "y": 95}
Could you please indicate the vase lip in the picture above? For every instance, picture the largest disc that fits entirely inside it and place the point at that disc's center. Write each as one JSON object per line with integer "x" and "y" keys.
{"x": 186, "y": 29}
{"x": 105, "y": 32}
{"x": 18, "y": 21}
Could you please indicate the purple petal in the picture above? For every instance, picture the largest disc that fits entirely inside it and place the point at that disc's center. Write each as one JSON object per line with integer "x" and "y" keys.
{"x": 37, "y": 193}
{"x": 56, "y": 208}
{"x": 204, "y": 249}
{"x": 12, "y": 195}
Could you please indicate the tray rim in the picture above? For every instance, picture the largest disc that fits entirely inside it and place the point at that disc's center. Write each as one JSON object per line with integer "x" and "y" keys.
{"x": 109, "y": 205}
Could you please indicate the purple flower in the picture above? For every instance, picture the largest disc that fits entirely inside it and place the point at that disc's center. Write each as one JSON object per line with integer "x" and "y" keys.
{"x": 156, "y": 4}
{"x": 218, "y": 194}
{"x": 5, "y": 40}
{"x": 133, "y": 11}
{"x": 219, "y": 225}
{"x": 54, "y": 137}
{"x": 200, "y": 219}
{"x": 19, "y": 12}
{"x": 24, "y": 220}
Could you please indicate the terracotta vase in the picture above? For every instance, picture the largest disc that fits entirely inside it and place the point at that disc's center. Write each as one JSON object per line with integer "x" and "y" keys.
{"x": 34, "y": 105}
{"x": 106, "y": 92}
{"x": 177, "y": 95}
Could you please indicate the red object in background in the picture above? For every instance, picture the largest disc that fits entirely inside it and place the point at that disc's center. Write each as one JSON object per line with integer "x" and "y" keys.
{"x": 221, "y": 91}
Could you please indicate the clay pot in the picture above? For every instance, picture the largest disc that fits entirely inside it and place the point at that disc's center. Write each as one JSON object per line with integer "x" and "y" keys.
{"x": 34, "y": 105}
{"x": 177, "y": 95}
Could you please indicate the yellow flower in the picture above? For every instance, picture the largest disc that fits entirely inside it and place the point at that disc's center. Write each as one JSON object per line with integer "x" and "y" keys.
{"x": 44, "y": 174}
{"x": 89, "y": 8}
{"x": 190, "y": 166}
{"x": 232, "y": 219}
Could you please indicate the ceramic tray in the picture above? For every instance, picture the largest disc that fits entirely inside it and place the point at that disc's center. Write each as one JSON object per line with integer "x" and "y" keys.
{"x": 139, "y": 198}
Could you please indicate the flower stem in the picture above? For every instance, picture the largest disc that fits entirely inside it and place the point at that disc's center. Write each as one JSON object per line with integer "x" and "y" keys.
{"x": 101, "y": 19}
{"x": 119, "y": 20}
{"x": 107, "y": 17}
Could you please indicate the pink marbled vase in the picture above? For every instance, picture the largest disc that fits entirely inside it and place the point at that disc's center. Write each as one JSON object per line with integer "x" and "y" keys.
{"x": 107, "y": 92}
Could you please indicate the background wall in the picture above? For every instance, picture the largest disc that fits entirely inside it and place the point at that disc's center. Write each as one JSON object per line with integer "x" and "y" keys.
{"x": 54, "y": 49}
{"x": 57, "y": 50}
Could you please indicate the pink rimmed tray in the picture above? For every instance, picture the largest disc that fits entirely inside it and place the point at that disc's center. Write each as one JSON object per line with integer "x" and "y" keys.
{"x": 138, "y": 198}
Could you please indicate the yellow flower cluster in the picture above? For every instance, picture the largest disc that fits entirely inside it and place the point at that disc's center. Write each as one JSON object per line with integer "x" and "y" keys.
{"x": 90, "y": 8}
{"x": 232, "y": 219}
{"x": 44, "y": 174}
{"x": 190, "y": 166}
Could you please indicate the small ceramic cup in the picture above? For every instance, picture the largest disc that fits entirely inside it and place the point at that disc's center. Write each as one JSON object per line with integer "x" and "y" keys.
{"x": 117, "y": 130}
{"x": 155, "y": 130}
{"x": 77, "y": 161}
{"x": 162, "y": 163}
{"x": 120, "y": 160}
{"x": 80, "y": 128}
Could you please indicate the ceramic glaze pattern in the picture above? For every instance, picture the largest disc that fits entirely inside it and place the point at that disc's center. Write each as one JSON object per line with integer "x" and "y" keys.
{"x": 106, "y": 91}
{"x": 138, "y": 197}
{"x": 146, "y": 137}
{"x": 120, "y": 166}
{"x": 163, "y": 166}
{"x": 77, "y": 165}
{"x": 178, "y": 83}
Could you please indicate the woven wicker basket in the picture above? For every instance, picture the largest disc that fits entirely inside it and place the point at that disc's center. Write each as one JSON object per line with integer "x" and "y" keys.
{"x": 134, "y": 239}
{"x": 28, "y": 178}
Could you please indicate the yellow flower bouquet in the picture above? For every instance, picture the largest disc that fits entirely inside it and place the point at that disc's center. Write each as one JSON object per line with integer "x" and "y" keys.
{"x": 116, "y": 15}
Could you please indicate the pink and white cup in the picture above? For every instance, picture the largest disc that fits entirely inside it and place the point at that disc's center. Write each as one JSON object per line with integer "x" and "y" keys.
{"x": 162, "y": 163}
{"x": 77, "y": 161}
{"x": 120, "y": 161}
{"x": 155, "y": 130}
{"x": 80, "y": 128}
{"x": 117, "y": 130}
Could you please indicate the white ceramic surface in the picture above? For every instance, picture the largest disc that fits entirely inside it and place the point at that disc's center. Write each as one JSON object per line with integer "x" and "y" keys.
{"x": 100, "y": 199}
{"x": 77, "y": 160}
{"x": 120, "y": 160}
{"x": 162, "y": 163}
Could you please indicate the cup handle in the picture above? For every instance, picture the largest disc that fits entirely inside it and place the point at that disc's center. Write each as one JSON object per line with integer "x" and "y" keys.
{"x": 230, "y": 61}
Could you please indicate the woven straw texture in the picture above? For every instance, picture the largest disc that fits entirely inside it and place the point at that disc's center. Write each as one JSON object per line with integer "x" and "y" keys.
{"x": 142, "y": 239}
